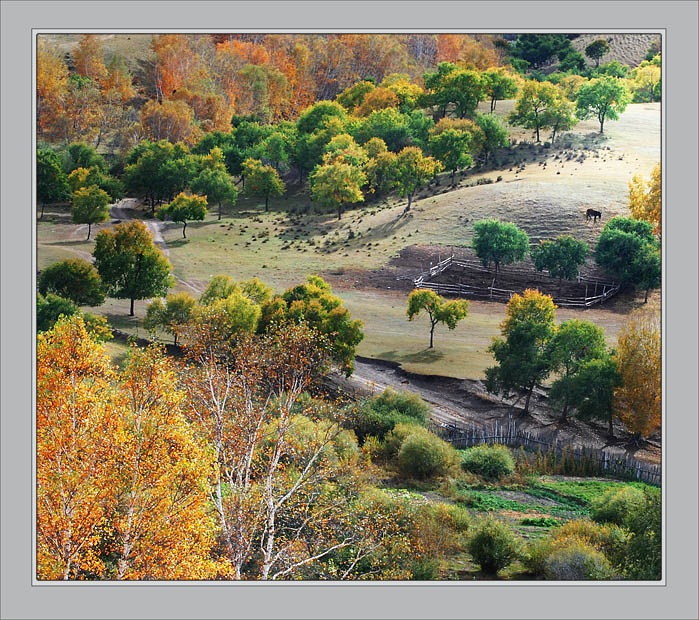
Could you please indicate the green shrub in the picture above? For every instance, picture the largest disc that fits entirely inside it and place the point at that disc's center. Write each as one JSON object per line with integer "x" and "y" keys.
{"x": 425, "y": 570}
{"x": 394, "y": 439}
{"x": 577, "y": 561}
{"x": 617, "y": 505}
{"x": 642, "y": 557}
{"x": 380, "y": 415}
{"x": 424, "y": 455}
{"x": 540, "y": 521}
{"x": 493, "y": 546}
{"x": 493, "y": 462}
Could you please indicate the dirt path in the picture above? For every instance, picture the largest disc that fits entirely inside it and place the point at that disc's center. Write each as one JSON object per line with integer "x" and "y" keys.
{"x": 465, "y": 403}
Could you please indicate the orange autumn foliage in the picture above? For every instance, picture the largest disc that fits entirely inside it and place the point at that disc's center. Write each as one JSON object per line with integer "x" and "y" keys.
{"x": 89, "y": 58}
{"x": 638, "y": 402}
{"x": 169, "y": 120}
{"x": 51, "y": 87}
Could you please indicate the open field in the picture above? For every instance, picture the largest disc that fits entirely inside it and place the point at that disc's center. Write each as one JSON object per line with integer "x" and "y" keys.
{"x": 362, "y": 253}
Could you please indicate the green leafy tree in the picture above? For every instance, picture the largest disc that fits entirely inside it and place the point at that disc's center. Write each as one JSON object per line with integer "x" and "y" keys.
{"x": 605, "y": 98}
{"x": 538, "y": 49}
{"x": 413, "y": 170}
{"x": 313, "y": 303}
{"x": 229, "y": 317}
{"x": 263, "y": 182}
{"x": 158, "y": 171}
{"x": 591, "y": 389}
{"x": 522, "y": 354}
{"x": 438, "y": 309}
{"x": 129, "y": 263}
{"x": 51, "y": 183}
{"x": 337, "y": 184}
{"x": 81, "y": 155}
{"x": 451, "y": 148}
{"x": 390, "y": 125}
{"x": 381, "y": 172}
{"x": 217, "y": 186}
{"x": 500, "y": 243}
{"x": 315, "y": 116}
{"x": 275, "y": 148}
{"x": 574, "y": 343}
{"x": 498, "y": 85}
{"x": 628, "y": 250}
{"x": 171, "y": 315}
{"x": 596, "y": 50}
{"x": 353, "y": 96}
{"x": 184, "y": 208}
{"x": 90, "y": 206}
{"x": 343, "y": 148}
{"x": 495, "y": 135}
{"x": 560, "y": 116}
{"x": 453, "y": 86}
{"x": 562, "y": 258}
{"x": 533, "y": 104}
{"x": 75, "y": 279}
{"x": 219, "y": 287}
{"x": 233, "y": 154}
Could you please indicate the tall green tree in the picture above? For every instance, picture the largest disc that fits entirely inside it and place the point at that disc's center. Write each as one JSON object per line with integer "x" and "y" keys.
{"x": 381, "y": 172}
{"x": 500, "y": 243}
{"x": 522, "y": 354}
{"x": 591, "y": 389}
{"x": 495, "y": 135}
{"x": 217, "y": 186}
{"x": 264, "y": 182}
{"x": 451, "y": 148}
{"x": 336, "y": 184}
{"x": 560, "y": 116}
{"x": 535, "y": 100}
{"x": 130, "y": 264}
{"x": 439, "y": 310}
{"x": 454, "y": 86}
{"x": 596, "y": 50}
{"x": 184, "y": 208}
{"x": 562, "y": 258}
{"x": 90, "y": 206}
{"x": 498, "y": 85}
{"x": 75, "y": 279}
{"x": 51, "y": 182}
{"x": 628, "y": 250}
{"x": 413, "y": 170}
{"x": 574, "y": 343}
{"x": 605, "y": 98}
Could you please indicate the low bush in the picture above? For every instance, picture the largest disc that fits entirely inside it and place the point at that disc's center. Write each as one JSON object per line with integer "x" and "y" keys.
{"x": 540, "y": 521}
{"x": 380, "y": 415}
{"x": 617, "y": 505}
{"x": 493, "y": 462}
{"x": 493, "y": 546}
{"x": 424, "y": 455}
{"x": 577, "y": 561}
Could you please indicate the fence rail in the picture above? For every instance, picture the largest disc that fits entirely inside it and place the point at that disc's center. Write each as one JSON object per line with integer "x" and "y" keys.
{"x": 608, "y": 287}
{"x": 509, "y": 434}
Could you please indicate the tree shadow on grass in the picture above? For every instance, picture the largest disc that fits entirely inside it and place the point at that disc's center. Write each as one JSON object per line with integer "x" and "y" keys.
{"x": 427, "y": 356}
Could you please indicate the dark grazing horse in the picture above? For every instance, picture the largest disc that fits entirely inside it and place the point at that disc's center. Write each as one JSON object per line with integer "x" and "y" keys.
{"x": 591, "y": 213}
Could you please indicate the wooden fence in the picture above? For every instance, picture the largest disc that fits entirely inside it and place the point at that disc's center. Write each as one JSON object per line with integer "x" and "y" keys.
{"x": 603, "y": 462}
{"x": 603, "y": 289}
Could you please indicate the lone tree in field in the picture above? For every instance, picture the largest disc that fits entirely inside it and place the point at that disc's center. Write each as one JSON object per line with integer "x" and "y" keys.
{"x": 51, "y": 182}
{"x": 217, "y": 186}
{"x": 438, "y": 309}
{"x": 90, "y": 206}
{"x": 184, "y": 208}
{"x": 574, "y": 343}
{"x": 169, "y": 316}
{"x": 562, "y": 258}
{"x": 413, "y": 169}
{"x": 604, "y": 98}
{"x": 501, "y": 243}
{"x": 336, "y": 184}
{"x": 130, "y": 264}
{"x": 596, "y": 50}
{"x": 262, "y": 182}
{"x": 522, "y": 354}
{"x": 629, "y": 251}
{"x": 74, "y": 279}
